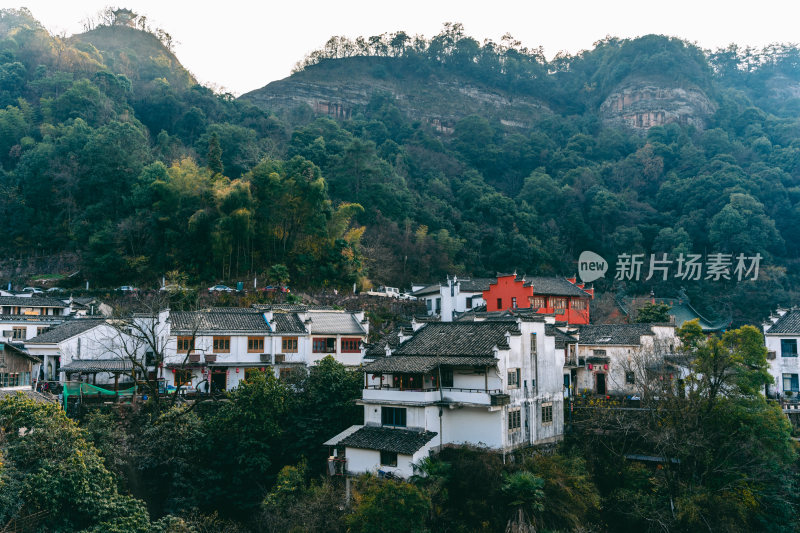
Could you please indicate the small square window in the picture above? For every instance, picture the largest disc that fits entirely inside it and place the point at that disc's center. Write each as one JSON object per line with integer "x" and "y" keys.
{"x": 388, "y": 458}
{"x": 630, "y": 377}
{"x": 513, "y": 378}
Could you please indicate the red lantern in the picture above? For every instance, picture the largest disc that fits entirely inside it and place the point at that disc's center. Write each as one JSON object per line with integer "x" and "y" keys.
{"x": 590, "y": 367}
{"x": 262, "y": 368}
{"x": 605, "y": 367}
{"x": 237, "y": 370}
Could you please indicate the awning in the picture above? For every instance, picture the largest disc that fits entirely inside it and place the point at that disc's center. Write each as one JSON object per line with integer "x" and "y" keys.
{"x": 92, "y": 366}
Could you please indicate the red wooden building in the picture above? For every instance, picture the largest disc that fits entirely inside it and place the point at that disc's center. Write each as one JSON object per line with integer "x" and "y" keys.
{"x": 565, "y": 298}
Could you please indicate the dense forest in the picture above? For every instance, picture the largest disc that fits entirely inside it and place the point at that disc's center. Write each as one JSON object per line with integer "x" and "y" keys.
{"x": 112, "y": 153}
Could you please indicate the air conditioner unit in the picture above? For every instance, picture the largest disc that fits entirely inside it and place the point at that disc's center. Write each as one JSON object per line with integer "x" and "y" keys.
{"x": 267, "y": 358}
{"x": 280, "y": 358}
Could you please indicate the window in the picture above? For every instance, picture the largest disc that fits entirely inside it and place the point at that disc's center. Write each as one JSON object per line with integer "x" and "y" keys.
{"x": 791, "y": 383}
{"x": 788, "y": 347}
{"x": 149, "y": 358}
{"x": 183, "y": 377}
{"x": 255, "y": 344}
{"x": 558, "y": 303}
{"x": 533, "y": 343}
{"x": 579, "y": 304}
{"x": 429, "y": 304}
{"x": 447, "y": 377}
{"x": 599, "y": 353}
{"x": 18, "y": 333}
{"x": 324, "y": 345}
{"x": 39, "y": 331}
{"x": 514, "y": 302}
{"x": 537, "y": 302}
{"x": 630, "y": 377}
{"x": 469, "y": 303}
{"x": 289, "y": 344}
{"x": 438, "y": 305}
{"x": 547, "y": 413}
{"x": 388, "y": 458}
{"x": 393, "y": 416}
{"x": 514, "y": 420}
{"x": 350, "y": 345}
{"x": 499, "y": 303}
{"x": 513, "y": 378}
{"x": 222, "y": 344}
{"x": 185, "y": 344}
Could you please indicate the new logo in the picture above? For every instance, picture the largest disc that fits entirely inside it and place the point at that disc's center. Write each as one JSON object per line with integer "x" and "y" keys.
{"x": 591, "y": 266}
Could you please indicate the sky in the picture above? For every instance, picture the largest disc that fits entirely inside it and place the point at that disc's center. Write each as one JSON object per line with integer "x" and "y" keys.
{"x": 238, "y": 46}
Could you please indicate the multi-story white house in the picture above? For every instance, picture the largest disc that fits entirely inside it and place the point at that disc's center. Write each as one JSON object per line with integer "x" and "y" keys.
{"x": 223, "y": 346}
{"x": 612, "y": 359}
{"x": 453, "y": 296}
{"x": 24, "y": 317}
{"x": 213, "y": 348}
{"x": 782, "y": 336}
{"x": 491, "y": 383}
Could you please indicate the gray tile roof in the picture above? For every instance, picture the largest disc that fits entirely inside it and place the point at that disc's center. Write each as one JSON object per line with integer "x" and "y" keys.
{"x": 475, "y": 284}
{"x": 420, "y": 363}
{"x": 554, "y": 286}
{"x": 404, "y": 441}
{"x": 98, "y": 365}
{"x": 430, "y": 289}
{"x": 378, "y": 349}
{"x": 613, "y": 334}
{"x": 788, "y": 323}
{"x": 288, "y": 323}
{"x": 33, "y": 301}
{"x": 562, "y": 339}
{"x": 219, "y": 320}
{"x": 66, "y": 330}
{"x": 48, "y": 319}
{"x": 41, "y": 397}
{"x": 458, "y": 338}
{"x": 334, "y": 323}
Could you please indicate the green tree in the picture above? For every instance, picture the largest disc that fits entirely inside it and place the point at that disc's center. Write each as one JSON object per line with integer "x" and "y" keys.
{"x": 214, "y": 155}
{"x": 388, "y": 506}
{"x": 653, "y": 313}
{"x": 49, "y": 466}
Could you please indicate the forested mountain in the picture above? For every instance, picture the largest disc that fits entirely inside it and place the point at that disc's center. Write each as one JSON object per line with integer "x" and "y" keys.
{"x": 392, "y": 158}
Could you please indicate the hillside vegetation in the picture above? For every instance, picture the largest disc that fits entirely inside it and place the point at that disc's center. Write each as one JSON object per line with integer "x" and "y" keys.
{"x": 110, "y": 151}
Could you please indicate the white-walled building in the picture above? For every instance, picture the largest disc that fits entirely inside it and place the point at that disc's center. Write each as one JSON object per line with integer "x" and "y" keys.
{"x": 83, "y": 349}
{"x": 492, "y": 383}
{"x": 223, "y": 345}
{"x": 453, "y": 296}
{"x": 611, "y": 358}
{"x": 782, "y": 336}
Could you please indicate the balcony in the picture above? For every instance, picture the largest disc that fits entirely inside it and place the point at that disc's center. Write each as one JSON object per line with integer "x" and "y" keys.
{"x": 384, "y": 393}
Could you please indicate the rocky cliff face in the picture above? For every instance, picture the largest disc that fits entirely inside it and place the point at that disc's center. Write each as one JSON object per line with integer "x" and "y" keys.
{"x": 339, "y": 88}
{"x": 642, "y": 104}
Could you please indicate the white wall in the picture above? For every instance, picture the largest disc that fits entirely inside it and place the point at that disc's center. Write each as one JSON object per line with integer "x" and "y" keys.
{"x": 781, "y": 365}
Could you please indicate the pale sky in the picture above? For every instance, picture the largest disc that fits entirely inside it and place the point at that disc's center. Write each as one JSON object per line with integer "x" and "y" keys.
{"x": 243, "y": 45}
